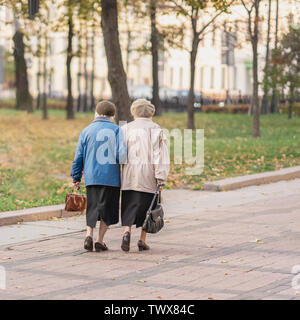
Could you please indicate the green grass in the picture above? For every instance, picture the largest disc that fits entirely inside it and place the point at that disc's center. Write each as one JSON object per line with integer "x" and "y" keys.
{"x": 36, "y": 155}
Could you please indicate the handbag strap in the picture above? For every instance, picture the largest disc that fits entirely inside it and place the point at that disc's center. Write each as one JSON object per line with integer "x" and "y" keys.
{"x": 157, "y": 193}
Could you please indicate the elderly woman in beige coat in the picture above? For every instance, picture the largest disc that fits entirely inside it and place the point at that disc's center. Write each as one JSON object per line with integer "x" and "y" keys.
{"x": 147, "y": 166}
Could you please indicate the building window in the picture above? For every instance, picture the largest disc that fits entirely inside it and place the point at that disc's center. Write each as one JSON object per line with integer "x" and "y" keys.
{"x": 235, "y": 78}
{"x": 201, "y": 78}
{"x": 181, "y": 78}
{"x": 171, "y": 76}
{"x": 223, "y": 84}
{"x": 212, "y": 77}
{"x": 236, "y": 31}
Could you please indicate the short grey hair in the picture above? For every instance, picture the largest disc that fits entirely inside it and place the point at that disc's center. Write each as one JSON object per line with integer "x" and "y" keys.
{"x": 142, "y": 108}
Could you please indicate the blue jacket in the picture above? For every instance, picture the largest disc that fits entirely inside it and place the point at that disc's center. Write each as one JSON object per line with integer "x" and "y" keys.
{"x": 99, "y": 152}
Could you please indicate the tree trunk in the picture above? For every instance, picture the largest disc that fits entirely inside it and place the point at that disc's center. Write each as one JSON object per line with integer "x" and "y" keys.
{"x": 79, "y": 74}
{"x": 291, "y": 102}
{"x": 154, "y": 51}
{"x": 45, "y": 109}
{"x": 191, "y": 97}
{"x": 70, "y": 105}
{"x": 254, "y": 42}
{"x": 128, "y": 49}
{"x": 86, "y": 78}
{"x": 274, "y": 100}
{"x": 38, "y": 100}
{"x": 24, "y": 99}
{"x": 265, "y": 103}
{"x": 116, "y": 73}
{"x": 92, "y": 106}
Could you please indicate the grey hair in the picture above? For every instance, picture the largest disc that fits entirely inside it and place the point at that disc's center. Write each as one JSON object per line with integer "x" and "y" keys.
{"x": 142, "y": 108}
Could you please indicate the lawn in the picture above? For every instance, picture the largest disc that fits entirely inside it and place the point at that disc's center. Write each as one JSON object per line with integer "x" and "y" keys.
{"x": 36, "y": 155}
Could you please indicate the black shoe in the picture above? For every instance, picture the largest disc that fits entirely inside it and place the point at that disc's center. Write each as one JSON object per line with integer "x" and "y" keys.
{"x": 142, "y": 245}
{"x": 88, "y": 243}
{"x": 126, "y": 242}
{"x": 100, "y": 247}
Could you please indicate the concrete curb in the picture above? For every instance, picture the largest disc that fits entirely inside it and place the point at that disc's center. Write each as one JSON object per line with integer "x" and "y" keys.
{"x": 253, "y": 179}
{"x": 36, "y": 214}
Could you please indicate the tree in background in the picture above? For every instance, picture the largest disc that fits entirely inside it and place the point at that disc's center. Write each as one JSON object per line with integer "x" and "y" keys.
{"x": 195, "y": 10}
{"x": 70, "y": 55}
{"x": 116, "y": 73}
{"x": 154, "y": 52}
{"x": 252, "y": 9}
{"x": 285, "y": 65}
{"x": 145, "y": 14}
{"x": 275, "y": 93}
{"x": 24, "y": 100}
{"x": 265, "y": 103}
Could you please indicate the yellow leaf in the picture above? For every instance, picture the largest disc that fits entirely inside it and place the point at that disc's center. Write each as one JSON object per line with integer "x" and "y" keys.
{"x": 141, "y": 281}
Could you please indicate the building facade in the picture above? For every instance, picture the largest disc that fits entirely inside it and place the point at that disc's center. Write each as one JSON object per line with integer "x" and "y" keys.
{"x": 215, "y": 76}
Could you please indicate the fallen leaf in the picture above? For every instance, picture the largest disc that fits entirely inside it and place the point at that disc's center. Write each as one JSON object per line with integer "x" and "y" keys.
{"x": 210, "y": 298}
{"x": 131, "y": 297}
{"x": 43, "y": 234}
{"x": 141, "y": 281}
{"x": 166, "y": 221}
{"x": 223, "y": 261}
{"x": 159, "y": 297}
{"x": 258, "y": 241}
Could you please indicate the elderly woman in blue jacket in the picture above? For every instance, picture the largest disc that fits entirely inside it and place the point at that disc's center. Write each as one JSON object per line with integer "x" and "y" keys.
{"x": 99, "y": 152}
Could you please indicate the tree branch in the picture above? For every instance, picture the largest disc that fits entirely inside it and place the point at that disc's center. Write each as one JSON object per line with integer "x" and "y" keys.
{"x": 212, "y": 20}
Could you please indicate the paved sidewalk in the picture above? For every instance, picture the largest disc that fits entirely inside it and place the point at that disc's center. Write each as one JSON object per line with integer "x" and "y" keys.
{"x": 228, "y": 245}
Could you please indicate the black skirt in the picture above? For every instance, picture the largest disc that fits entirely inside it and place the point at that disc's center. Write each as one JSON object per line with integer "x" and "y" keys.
{"x": 102, "y": 204}
{"x": 134, "y": 207}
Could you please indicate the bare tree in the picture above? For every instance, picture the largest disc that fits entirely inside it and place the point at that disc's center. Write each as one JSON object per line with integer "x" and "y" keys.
{"x": 274, "y": 99}
{"x": 265, "y": 103}
{"x": 70, "y": 55}
{"x": 154, "y": 51}
{"x": 252, "y": 8}
{"x": 193, "y": 11}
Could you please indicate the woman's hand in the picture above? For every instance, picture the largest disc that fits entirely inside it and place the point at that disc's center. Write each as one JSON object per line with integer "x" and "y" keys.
{"x": 75, "y": 185}
{"x": 161, "y": 183}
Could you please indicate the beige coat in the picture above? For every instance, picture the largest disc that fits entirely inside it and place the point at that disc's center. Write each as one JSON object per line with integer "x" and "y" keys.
{"x": 147, "y": 158}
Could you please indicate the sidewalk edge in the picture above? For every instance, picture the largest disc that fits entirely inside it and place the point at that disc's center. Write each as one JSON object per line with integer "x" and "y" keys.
{"x": 253, "y": 179}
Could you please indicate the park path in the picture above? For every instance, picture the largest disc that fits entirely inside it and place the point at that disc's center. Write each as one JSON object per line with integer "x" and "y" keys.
{"x": 239, "y": 244}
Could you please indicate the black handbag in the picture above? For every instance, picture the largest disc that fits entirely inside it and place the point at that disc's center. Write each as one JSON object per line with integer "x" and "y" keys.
{"x": 155, "y": 217}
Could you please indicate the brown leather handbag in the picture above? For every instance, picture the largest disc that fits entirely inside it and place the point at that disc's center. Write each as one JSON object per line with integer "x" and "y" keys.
{"x": 75, "y": 202}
